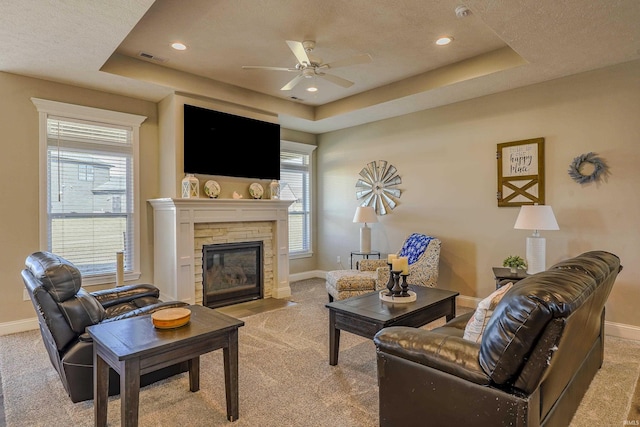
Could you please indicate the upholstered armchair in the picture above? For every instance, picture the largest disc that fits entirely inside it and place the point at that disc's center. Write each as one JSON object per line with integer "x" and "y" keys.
{"x": 373, "y": 274}
{"x": 65, "y": 310}
{"x": 424, "y": 255}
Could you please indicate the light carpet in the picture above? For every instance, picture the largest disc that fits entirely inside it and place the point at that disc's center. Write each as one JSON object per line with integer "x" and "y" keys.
{"x": 285, "y": 379}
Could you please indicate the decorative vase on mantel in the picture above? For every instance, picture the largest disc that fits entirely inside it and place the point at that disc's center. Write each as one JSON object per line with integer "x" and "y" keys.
{"x": 190, "y": 187}
{"x": 274, "y": 190}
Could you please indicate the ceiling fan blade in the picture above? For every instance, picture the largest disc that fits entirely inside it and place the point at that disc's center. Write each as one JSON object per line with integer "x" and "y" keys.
{"x": 354, "y": 60}
{"x": 260, "y": 67}
{"x": 292, "y": 83}
{"x": 299, "y": 52}
{"x": 336, "y": 80}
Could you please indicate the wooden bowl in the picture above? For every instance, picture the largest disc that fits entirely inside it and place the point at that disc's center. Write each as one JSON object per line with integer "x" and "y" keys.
{"x": 170, "y": 318}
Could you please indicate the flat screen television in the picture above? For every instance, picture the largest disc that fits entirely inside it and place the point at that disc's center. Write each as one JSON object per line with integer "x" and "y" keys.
{"x": 217, "y": 143}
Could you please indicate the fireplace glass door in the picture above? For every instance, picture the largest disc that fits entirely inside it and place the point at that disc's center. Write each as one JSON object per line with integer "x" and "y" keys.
{"x": 232, "y": 273}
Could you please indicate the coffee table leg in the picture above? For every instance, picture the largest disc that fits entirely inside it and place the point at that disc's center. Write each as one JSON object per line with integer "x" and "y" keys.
{"x": 334, "y": 339}
{"x": 100, "y": 388}
{"x": 194, "y": 374}
{"x": 452, "y": 313}
{"x": 130, "y": 393}
{"x": 231, "y": 376}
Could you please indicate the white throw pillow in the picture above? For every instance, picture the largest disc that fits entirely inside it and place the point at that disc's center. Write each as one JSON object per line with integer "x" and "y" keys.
{"x": 478, "y": 322}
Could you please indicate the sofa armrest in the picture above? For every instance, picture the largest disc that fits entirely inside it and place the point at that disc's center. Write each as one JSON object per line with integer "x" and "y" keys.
{"x": 371, "y": 264}
{"x": 122, "y": 294}
{"x": 147, "y": 310}
{"x": 447, "y": 353}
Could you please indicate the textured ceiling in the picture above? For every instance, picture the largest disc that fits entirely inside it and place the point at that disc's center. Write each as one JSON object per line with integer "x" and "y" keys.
{"x": 501, "y": 45}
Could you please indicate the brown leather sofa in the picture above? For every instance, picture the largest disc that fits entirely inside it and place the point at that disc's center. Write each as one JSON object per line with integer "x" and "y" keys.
{"x": 65, "y": 309}
{"x": 540, "y": 350}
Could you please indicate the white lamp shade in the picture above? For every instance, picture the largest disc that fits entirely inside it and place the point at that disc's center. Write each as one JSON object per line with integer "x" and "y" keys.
{"x": 536, "y": 217}
{"x": 365, "y": 214}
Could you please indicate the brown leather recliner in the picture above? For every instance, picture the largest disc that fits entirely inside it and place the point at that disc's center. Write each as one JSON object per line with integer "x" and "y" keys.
{"x": 541, "y": 348}
{"x": 65, "y": 309}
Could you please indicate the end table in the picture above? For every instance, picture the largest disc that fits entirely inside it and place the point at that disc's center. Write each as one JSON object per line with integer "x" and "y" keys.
{"x": 502, "y": 273}
{"x": 364, "y": 255}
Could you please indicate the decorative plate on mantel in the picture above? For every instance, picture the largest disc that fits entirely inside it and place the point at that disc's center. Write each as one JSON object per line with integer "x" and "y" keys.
{"x": 212, "y": 189}
{"x": 256, "y": 190}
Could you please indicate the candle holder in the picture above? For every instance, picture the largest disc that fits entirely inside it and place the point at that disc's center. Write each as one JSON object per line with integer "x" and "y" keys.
{"x": 390, "y": 282}
{"x": 397, "y": 289}
{"x": 404, "y": 286}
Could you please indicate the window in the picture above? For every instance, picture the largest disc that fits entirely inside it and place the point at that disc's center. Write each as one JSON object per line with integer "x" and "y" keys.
{"x": 85, "y": 172}
{"x": 88, "y": 197}
{"x": 295, "y": 184}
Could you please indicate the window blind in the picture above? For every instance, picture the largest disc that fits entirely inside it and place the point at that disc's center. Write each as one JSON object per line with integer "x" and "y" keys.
{"x": 90, "y": 203}
{"x": 295, "y": 184}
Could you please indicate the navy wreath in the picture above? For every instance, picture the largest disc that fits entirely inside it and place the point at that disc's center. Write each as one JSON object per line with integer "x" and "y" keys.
{"x": 600, "y": 169}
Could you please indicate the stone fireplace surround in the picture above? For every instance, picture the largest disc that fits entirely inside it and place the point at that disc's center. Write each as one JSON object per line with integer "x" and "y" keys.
{"x": 177, "y": 267}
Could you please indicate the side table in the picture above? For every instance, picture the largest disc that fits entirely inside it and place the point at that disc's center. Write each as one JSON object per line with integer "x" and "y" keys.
{"x": 133, "y": 347}
{"x": 364, "y": 255}
{"x": 502, "y": 273}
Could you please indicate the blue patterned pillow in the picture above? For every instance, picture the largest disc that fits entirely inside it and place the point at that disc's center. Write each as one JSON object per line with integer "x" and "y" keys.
{"x": 414, "y": 246}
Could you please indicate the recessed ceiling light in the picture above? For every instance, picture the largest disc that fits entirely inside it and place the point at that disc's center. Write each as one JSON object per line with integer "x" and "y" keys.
{"x": 312, "y": 89}
{"x": 179, "y": 46}
{"x": 444, "y": 40}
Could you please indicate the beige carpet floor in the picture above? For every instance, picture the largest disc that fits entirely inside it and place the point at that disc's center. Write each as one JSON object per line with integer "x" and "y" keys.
{"x": 285, "y": 379}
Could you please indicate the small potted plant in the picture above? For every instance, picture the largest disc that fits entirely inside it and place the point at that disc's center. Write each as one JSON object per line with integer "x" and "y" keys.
{"x": 514, "y": 262}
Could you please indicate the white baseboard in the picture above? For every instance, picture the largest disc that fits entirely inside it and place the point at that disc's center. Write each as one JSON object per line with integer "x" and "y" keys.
{"x": 313, "y": 274}
{"x": 467, "y": 302}
{"x": 16, "y": 326}
{"x": 622, "y": 330}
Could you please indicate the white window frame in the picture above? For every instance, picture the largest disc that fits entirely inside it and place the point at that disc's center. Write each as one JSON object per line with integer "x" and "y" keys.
{"x": 48, "y": 108}
{"x": 307, "y": 149}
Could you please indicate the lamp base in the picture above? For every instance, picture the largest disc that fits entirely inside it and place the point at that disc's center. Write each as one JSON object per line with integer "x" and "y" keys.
{"x": 536, "y": 254}
{"x": 365, "y": 239}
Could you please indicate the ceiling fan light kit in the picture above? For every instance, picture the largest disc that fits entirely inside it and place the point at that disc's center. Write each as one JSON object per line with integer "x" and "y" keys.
{"x": 309, "y": 66}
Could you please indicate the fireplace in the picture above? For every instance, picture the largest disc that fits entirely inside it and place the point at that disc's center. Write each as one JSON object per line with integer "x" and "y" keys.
{"x": 232, "y": 273}
{"x": 181, "y": 227}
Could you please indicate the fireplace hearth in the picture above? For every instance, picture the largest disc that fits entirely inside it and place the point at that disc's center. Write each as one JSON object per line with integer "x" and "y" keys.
{"x": 232, "y": 273}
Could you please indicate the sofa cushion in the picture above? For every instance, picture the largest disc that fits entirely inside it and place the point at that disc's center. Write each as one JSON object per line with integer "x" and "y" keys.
{"x": 81, "y": 311}
{"x": 57, "y": 275}
{"x": 357, "y": 280}
{"x": 478, "y": 322}
{"x": 414, "y": 246}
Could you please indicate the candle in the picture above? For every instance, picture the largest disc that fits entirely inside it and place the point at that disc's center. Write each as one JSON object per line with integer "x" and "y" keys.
{"x": 119, "y": 268}
{"x": 391, "y": 257}
{"x": 396, "y": 264}
{"x": 404, "y": 264}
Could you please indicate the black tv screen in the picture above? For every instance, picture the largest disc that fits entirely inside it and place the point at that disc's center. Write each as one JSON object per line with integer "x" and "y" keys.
{"x": 217, "y": 143}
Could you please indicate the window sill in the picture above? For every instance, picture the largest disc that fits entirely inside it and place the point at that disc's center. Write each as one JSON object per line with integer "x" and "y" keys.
{"x": 301, "y": 255}
{"x": 104, "y": 279}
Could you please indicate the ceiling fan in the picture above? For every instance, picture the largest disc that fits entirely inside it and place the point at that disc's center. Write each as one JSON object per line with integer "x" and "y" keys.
{"x": 310, "y": 66}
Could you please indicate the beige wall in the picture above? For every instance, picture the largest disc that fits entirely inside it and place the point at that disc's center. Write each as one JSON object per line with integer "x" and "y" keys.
{"x": 19, "y": 176}
{"x": 446, "y": 158}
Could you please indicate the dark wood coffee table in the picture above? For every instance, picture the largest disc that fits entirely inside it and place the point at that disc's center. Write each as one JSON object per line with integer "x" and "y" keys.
{"x": 366, "y": 314}
{"x": 133, "y": 347}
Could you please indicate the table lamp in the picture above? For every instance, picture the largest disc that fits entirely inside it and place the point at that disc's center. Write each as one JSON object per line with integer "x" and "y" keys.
{"x": 536, "y": 217}
{"x": 365, "y": 214}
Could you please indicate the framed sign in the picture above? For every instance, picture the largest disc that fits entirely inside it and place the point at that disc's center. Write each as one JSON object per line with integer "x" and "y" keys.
{"x": 521, "y": 172}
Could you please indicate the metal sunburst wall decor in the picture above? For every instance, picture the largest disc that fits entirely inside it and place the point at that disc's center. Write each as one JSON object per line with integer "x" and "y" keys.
{"x": 376, "y": 187}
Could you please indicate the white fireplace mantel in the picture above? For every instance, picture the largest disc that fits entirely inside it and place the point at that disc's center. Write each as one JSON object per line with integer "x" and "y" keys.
{"x": 173, "y": 230}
